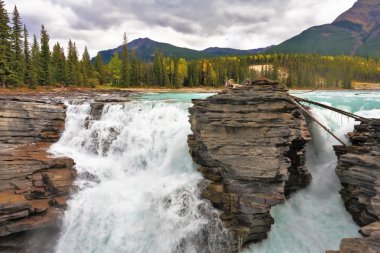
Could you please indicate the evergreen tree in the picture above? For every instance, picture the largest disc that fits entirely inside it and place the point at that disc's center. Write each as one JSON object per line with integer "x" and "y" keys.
{"x": 176, "y": 80}
{"x": 124, "y": 62}
{"x": 34, "y": 63}
{"x": 115, "y": 67}
{"x": 100, "y": 71}
{"x": 157, "y": 71}
{"x": 86, "y": 67}
{"x": 164, "y": 75}
{"x": 72, "y": 65}
{"x": 45, "y": 71}
{"x": 58, "y": 65}
{"x": 17, "y": 58}
{"x": 5, "y": 70}
{"x": 134, "y": 72}
{"x": 139, "y": 71}
{"x": 29, "y": 68}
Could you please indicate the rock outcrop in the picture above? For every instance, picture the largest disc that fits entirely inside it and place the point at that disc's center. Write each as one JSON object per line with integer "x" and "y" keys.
{"x": 33, "y": 185}
{"x": 359, "y": 173}
{"x": 250, "y": 145}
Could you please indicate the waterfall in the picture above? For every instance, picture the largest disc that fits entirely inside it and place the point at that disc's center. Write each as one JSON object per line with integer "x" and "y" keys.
{"x": 137, "y": 185}
{"x": 314, "y": 220}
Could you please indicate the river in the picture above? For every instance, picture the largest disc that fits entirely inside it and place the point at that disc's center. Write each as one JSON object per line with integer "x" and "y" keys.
{"x": 138, "y": 187}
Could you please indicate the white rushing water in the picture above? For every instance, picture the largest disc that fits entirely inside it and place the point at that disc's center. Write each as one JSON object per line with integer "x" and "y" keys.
{"x": 137, "y": 184}
{"x": 314, "y": 220}
{"x": 138, "y": 187}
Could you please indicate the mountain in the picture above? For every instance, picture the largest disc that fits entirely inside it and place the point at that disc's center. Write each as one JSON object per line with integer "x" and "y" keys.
{"x": 145, "y": 48}
{"x": 217, "y": 51}
{"x": 355, "y": 32}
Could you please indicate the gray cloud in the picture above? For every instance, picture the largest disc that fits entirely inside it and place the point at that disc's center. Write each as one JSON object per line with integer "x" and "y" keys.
{"x": 190, "y": 23}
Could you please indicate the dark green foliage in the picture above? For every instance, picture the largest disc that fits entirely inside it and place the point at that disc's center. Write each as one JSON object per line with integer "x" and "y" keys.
{"x": 176, "y": 78}
{"x": 371, "y": 47}
{"x": 72, "y": 65}
{"x": 124, "y": 62}
{"x": 114, "y": 69}
{"x": 100, "y": 69}
{"x": 35, "y": 63}
{"x": 45, "y": 71}
{"x": 145, "y": 49}
{"x": 134, "y": 70}
{"x": 5, "y": 70}
{"x": 30, "y": 74}
{"x": 20, "y": 64}
{"x": 338, "y": 38}
{"x": 158, "y": 65}
{"x": 86, "y": 68}
{"x": 324, "y": 40}
{"x": 58, "y": 65}
{"x": 17, "y": 59}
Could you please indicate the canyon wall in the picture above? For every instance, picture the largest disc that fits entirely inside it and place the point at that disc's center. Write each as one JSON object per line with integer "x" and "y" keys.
{"x": 359, "y": 173}
{"x": 33, "y": 185}
{"x": 250, "y": 145}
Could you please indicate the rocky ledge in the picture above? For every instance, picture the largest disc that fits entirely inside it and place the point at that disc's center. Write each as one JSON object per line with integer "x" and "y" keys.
{"x": 250, "y": 145}
{"x": 33, "y": 185}
{"x": 359, "y": 173}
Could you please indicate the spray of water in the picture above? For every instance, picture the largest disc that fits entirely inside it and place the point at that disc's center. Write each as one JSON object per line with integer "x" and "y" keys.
{"x": 138, "y": 188}
{"x": 314, "y": 220}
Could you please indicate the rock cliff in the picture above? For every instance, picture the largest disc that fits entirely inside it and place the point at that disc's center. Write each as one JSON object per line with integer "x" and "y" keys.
{"x": 250, "y": 145}
{"x": 359, "y": 173}
{"x": 33, "y": 185}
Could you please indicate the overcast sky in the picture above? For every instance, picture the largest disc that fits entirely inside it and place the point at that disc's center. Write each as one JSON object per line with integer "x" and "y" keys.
{"x": 198, "y": 24}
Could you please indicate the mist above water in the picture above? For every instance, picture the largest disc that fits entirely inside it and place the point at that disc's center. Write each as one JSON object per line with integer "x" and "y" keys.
{"x": 138, "y": 189}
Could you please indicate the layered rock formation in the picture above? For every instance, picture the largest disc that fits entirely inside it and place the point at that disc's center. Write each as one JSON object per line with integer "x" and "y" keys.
{"x": 33, "y": 185}
{"x": 359, "y": 172}
{"x": 249, "y": 143}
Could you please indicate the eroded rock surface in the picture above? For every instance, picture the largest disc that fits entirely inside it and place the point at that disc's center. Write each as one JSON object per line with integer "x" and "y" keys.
{"x": 31, "y": 180}
{"x": 34, "y": 186}
{"x": 250, "y": 145}
{"x": 359, "y": 173}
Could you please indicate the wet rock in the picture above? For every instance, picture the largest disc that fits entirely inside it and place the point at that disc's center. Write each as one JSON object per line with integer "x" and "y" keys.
{"x": 369, "y": 229}
{"x": 249, "y": 143}
{"x": 359, "y": 173}
{"x": 34, "y": 185}
{"x": 360, "y": 245}
{"x": 29, "y": 176}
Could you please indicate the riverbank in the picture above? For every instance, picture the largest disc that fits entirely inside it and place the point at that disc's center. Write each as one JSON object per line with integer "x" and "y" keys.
{"x": 107, "y": 88}
{"x": 50, "y": 89}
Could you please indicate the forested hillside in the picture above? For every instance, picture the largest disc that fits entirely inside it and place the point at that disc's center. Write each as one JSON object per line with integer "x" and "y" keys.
{"x": 31, "y": 64}
{"x": 145, "y": 48}
{"x": 355, "y": 32}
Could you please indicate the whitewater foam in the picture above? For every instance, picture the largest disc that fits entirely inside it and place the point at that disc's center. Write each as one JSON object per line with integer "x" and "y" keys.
{"x": 138, "y": 185}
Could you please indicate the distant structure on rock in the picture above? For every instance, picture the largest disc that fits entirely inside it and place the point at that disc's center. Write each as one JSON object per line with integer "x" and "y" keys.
{"x": 247, "y": 83}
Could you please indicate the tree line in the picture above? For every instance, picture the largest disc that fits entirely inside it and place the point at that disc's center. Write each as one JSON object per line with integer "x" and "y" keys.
{"x": 34, "y": 64}
{"x": 24, "y": 63}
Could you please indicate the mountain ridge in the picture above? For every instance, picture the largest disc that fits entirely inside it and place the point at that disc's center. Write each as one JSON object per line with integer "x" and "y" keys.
{"x": 354, "y": 32}
{"x": 146, "y": 47}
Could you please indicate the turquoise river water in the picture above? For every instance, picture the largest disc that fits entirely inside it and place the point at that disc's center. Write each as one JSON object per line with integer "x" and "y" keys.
{"x": 138, "y": 187}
